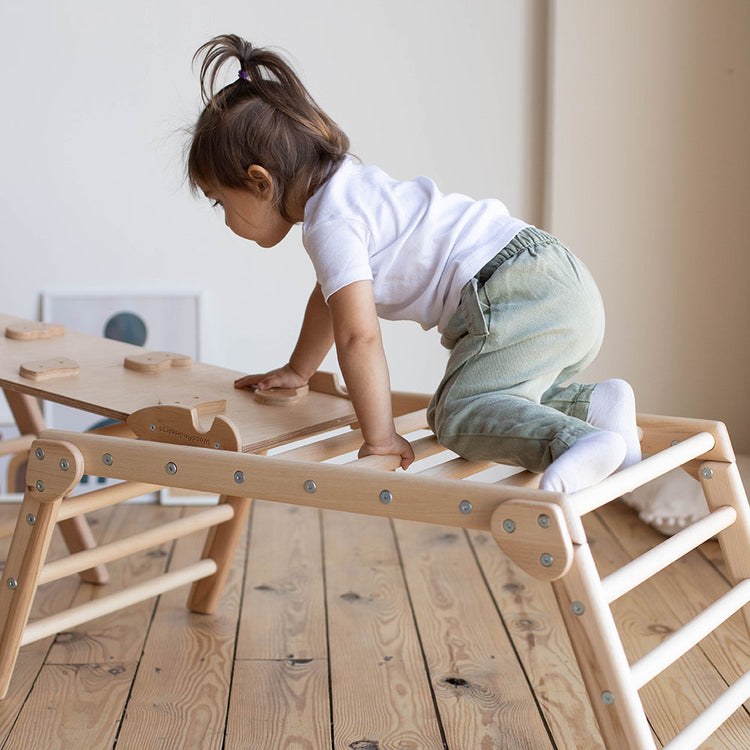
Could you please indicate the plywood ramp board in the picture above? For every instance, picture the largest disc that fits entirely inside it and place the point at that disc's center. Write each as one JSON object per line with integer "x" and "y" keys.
{"x": 104, "y": 386}
{"x": 380, "y": 693}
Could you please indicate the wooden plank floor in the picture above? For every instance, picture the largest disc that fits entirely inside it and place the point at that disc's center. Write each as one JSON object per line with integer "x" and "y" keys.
{"x": 347, "y": 632}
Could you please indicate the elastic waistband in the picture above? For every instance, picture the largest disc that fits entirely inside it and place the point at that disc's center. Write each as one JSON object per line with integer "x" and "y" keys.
{"x": 526, "y": 238}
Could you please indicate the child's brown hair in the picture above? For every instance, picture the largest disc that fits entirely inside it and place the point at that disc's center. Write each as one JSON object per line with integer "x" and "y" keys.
{"x": 265, "y": 117}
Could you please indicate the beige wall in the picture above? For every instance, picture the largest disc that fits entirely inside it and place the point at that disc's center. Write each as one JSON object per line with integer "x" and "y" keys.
{"x": 649, "y": 181}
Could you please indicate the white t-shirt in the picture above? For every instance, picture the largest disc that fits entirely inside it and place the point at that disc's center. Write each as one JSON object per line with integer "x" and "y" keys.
{"x": 418, "y": 246}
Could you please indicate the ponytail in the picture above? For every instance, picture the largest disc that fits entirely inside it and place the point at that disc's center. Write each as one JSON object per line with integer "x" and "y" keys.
{"x": 265, "y": 117}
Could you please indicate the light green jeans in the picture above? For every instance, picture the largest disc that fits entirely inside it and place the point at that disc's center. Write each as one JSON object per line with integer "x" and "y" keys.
{"x": 527, "y": 322}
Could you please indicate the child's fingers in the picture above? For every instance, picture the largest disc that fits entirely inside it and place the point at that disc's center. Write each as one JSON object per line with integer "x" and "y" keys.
{"x": 248, "y": 381}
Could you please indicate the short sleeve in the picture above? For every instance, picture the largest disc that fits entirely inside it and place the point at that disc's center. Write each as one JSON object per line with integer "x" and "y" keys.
{"x": 339, "y": 252}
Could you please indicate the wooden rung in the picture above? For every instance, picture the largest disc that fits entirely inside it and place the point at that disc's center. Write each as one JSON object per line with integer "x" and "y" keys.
{"x": 337, "y": 445}
{"x": 102, "y": 498}
{"x": 648, "y": 564}
{"x": 423, "y": 448}
{"x": 457, "y": 468}
{"x": 119, "y": 600}
{"x": 91, "y": 501}
{"x": 701, "y": 728}
{"x": 122, "y": 547}
{"x": 16, "y": 444}
{"x": 682, "y": 640}
{"x": 622, "y": 482}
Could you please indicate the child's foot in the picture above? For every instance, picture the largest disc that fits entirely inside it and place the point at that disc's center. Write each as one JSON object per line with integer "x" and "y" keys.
{"x": 612, "y": 408}
{"x": 588, "y": 461}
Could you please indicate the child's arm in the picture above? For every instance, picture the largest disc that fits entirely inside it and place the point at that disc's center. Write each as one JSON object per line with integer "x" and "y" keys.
{"x": 356, "y": 331}
{"x": 315, "y": 340}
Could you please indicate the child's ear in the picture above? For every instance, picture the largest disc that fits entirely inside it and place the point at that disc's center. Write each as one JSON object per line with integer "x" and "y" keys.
{"x": 260, "y": 181}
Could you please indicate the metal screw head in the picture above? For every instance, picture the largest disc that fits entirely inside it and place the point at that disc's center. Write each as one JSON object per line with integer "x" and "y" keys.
{"x": 30, "y": 519}
{"x": 509, "y": 526}
{"x": 544, "y": 521}
{"x": 12, "y": 584}
{"x": 707, "y": 473}
{"x": 64, "y": 464}
{"x": 239, "y": 477}
{"x": 310, "y": 486}
{"x": 608, "y": 698}
{"x": 546, "y": 559}
{"x": 107, "y": 459}
{"x": 171, "y": 467}
{"x": 465, "y": 507}
{"x": 385, "y": 497}
{"x": 577, "y": 608}
{"x": 40, "y": 485}
{"x": 39, "y": 453}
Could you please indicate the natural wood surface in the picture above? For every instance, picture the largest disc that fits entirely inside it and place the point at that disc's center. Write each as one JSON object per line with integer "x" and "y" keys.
{"x": 414, "y": 633}
{"x": 105, "y": 386}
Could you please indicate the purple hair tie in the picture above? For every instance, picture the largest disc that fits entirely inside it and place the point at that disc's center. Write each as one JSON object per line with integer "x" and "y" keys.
{"x": 244, "y": 75}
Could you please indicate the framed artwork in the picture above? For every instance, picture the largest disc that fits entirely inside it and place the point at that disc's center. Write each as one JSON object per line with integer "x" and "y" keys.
{"x": 168, "y": 321}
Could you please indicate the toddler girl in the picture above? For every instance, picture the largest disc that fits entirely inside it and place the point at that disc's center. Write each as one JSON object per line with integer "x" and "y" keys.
{"x": 519, "y": 312}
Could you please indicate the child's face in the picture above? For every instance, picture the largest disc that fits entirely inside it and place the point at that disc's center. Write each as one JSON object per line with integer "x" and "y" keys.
{"x": 248, "y": 215}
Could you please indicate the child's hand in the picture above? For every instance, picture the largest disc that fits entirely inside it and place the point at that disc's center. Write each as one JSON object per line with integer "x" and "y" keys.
{"x": 398, "y": 446}
{"x": 283, "y": 377}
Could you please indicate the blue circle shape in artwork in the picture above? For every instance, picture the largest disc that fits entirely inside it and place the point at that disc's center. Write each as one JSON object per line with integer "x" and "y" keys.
{"x": 126, "y": 327}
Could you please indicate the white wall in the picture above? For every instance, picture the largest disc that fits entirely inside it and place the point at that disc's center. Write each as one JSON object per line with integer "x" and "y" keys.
{"x": 97, "y": 96}
{"x": 647, "y": 162}
{"x": 649, "y": 181}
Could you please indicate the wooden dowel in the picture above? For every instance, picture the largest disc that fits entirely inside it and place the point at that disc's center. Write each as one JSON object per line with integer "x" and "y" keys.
{"x": 337, "y": 445}
{"x": 16, "y": 444}
{"x": 97, "y": 499}
{"x": 457, "y": 468}
{"x": 522, "y": 479}
{"x": 701, "y": 728}
{"x": 648, "y": 564}
{"x": 591, "y": 498}
{"x": 114, "y": 602}
{"x": 682, "y": 640}
{"x": 122, "y": 547}
{"x": 423, "y": 448}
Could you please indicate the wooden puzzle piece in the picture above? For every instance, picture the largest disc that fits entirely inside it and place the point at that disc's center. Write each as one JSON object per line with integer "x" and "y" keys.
{"x": 327, "y": 382}
{"x": 280, "y": 396}
{"x": 156, "y": 361}
{"x": 49, "y": 369}
{"x": 31, "y": 330}
{"x": 197, "y": 402}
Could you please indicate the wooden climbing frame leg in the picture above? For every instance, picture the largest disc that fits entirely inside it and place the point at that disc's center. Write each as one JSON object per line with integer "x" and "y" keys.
{"x": 75, "y": 531}
{"x": 47, "y": 484}
{"x": 600, "y": 655}
{"x": 221, "y": 544}
{"x": 722, "y": 485}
